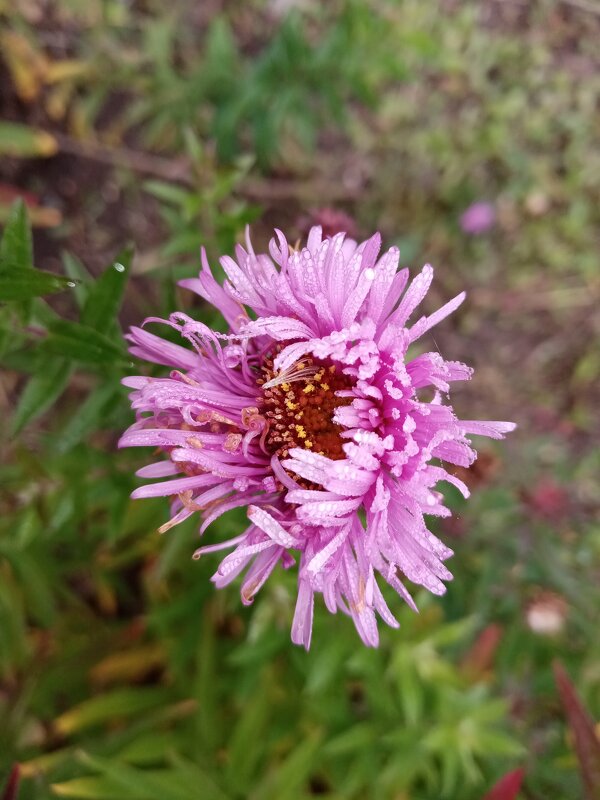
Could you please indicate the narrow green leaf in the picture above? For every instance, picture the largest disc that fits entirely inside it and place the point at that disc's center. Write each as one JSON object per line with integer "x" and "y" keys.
{"x": 356, "y": 738}
{"x": 287, "y": 781}
{"x": 47, "y": 762}
{"x": 81, "y": 343}
{"x": 33, "y": 576}
{"x": 87, "y": 417}
{"x": 16, "y": 248}
{"x": 208, "y": 721}
{"x": 19, "y": 284}
{"x": 42, "y": 314}
{"x": 167, "y": 192}
{"x": 19, "y": 281}
{"x": 107, "y": 707}
{"x": 41, "y": 392}
{"x": 148, "y": 748}
{"x": 166, "y": 784}
{"x": 79, "y": 275}
{"x": 105, "y": 297}
{"x": 192, "y": 772}
{"x": 128, "y": 784}
{"x": 246, "y": 743}
{"x": 28, "y": 527}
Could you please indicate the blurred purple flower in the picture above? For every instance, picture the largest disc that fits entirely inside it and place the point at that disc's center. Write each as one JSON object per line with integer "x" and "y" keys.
{"x": 309, "y": 414}
{"x": 478, "y": 218}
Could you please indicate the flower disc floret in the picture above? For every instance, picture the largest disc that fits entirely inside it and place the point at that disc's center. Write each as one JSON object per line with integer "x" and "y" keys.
{"x": 300, "y": 405}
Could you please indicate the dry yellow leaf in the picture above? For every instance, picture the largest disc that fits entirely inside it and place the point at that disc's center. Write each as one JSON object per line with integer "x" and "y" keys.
{"x": 68, "y": 69}
{"x": 128, "y": 666}
{"x": 27, "y": 66}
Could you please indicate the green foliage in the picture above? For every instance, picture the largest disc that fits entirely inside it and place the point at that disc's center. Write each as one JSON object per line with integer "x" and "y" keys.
{"x": 123, "y": 674}
{"x": 18, "y": 279}
{"x": 208, "y": 213}
{"x": 293, "y": 87}
{"x": 201, "y": 694}
{"x": 49, "y": 347}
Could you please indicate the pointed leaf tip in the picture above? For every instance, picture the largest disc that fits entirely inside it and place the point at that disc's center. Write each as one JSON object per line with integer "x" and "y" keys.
{"x": 16, "y": 250}
{"x": 11, "y": 790}
{"x": 106, "y": 294}
{"x": 587, "y": 746}
{"x": 508, "y": 787}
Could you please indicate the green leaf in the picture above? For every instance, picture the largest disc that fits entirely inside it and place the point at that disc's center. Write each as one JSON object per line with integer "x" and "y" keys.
{"x": 166, "y": 784}
{"x": 79, "y": 275}
{"x": 81, "y": 343}
{"x": 32, "y": 576}
{"x": 41, "y": 392}
{"x": 208, "y": 721}
{"x": 358, "y": 737}
{"x": 18, "y": 279}
{"x": 246, "y": 743}
{"x": 107, "y": 707}
{"x": 94, "y": 788}
{"x": 287, "y": 781}
{"x": 166, "y": 192}
{"x": 148, "y": 748}
{"x": 21, "y": 141}
{"x": 105, "y": 296}
{"x": 190, "y": 771}
{"x": 16, "y": 248}
{"x": 18, "y": 284}
{"x": 87, "y": 417}
{"x": 125, "y": 783}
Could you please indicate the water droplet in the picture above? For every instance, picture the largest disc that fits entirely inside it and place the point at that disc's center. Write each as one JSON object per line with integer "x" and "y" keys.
{"x": 119, "y": 267}
{"x": 71, "y": 284}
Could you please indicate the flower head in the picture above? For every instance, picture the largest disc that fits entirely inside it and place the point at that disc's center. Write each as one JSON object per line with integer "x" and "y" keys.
{"x": 310, "y": 414}
{"x": 478, "y": 218}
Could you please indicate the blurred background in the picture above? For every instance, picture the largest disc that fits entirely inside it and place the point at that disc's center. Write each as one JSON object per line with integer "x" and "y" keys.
{"x": 467, "y": 133}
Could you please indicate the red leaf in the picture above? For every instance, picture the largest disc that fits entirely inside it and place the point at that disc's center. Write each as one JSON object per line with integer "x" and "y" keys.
{"x": 12, "y": 787}
{"x": 587, "y": 745}
{"x": 9, "y": 193}
{"x": 480, "y": 657}
{"x": 508, "y": 787}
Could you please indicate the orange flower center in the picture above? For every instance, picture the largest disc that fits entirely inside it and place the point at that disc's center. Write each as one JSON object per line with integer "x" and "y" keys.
{"x": 299, "y": 406}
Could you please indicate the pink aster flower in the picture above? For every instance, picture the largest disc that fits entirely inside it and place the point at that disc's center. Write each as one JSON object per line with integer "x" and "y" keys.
{"x": 311, "y": 414}
{"x": 478, "y": 218}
